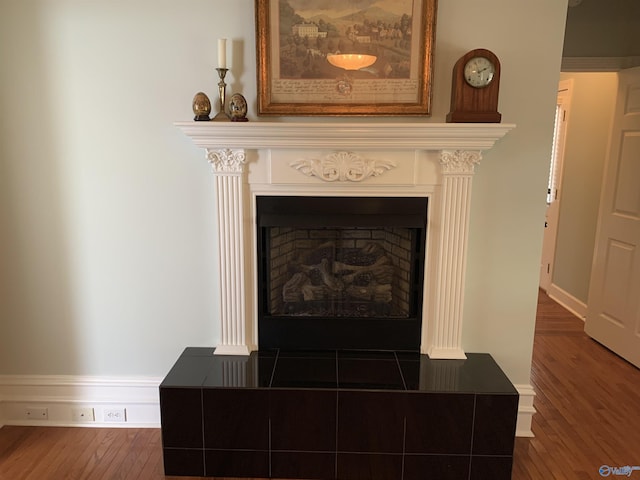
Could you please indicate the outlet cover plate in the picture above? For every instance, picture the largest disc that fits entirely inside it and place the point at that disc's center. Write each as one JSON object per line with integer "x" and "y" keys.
{"x": 36, "y": 413}
{"x": 83, "y": 414}
{"x": 115, "y": 415}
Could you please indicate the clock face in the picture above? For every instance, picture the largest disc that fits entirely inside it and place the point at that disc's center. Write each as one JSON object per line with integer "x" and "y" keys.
{"x": 479, "y": 71}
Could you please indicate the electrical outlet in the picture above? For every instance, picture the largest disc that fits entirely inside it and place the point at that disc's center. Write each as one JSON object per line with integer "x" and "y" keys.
{"x": 115, "y": 415}
{"x": 82, "y": 414}
{"x": 36, "y": 413}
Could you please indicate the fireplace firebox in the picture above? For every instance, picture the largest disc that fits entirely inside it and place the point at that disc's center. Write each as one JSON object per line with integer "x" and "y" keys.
{"x": 340, "y": 272}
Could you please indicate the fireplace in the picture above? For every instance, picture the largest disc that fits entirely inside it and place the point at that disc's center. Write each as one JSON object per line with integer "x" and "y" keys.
{"x": 430, "y": 161}
{"x": 340, "y": 272}
{"x": 342, "y": 252}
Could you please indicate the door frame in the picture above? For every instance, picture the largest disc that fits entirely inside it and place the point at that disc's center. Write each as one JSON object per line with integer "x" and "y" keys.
{"x": 554, "y": 193}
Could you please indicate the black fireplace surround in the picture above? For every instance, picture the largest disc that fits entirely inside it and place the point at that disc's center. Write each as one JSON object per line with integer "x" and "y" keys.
{"x": 340, "y": 272}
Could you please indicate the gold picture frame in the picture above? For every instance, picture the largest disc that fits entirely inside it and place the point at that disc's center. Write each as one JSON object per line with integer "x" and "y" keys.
{"x": 296, "y": 38}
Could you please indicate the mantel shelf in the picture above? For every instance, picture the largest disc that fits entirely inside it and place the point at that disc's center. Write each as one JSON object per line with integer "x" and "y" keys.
{"x": 351, "y": 135}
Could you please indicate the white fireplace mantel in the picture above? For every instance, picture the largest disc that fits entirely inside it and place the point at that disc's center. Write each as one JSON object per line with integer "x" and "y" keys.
{"x": 338, "y": 135}
{"x": 353, "y": 159}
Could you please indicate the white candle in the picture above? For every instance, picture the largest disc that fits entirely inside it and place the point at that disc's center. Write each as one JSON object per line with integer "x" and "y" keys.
{"x": 222, "y": 53}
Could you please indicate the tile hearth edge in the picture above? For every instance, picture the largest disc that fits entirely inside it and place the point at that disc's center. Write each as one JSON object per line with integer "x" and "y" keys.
{"x": 337, "y": 414}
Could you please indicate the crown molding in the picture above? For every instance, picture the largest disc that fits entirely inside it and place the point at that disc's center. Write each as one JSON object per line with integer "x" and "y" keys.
{"x": 598, "y": 64}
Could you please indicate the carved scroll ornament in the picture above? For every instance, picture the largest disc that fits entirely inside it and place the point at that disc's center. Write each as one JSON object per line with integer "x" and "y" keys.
{"x": 343, "y": 167}
{"x": 459, "y": 161}
{"x": 226, "y": 160}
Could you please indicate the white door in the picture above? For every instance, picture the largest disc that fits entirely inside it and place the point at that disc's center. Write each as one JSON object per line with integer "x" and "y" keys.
{"x": 555, "y": 180}
{"x": 613, "y": 313}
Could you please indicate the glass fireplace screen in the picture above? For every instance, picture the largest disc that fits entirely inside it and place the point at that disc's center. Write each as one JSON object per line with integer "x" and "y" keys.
{"x": 341, "y": 272}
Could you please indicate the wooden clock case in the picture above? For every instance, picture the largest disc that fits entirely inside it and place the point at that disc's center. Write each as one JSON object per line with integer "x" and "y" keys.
{"x": 470, "y": 104}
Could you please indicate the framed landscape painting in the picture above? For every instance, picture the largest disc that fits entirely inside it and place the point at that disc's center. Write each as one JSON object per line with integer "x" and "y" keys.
{"x": 345, "y": 57}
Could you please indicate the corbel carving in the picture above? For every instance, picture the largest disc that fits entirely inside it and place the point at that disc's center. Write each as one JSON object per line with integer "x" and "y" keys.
{"x": 226, "y": 160}
{"x": 459, "y": 161}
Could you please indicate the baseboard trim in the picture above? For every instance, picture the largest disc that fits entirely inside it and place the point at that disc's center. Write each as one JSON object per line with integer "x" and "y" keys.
{"x": 568, "y": 301}
{"x": 525, "y": 410}
{"x": 61, "y": 395}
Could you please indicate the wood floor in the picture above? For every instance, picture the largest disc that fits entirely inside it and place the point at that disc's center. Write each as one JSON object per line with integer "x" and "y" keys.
{"x": 588, "y": 404}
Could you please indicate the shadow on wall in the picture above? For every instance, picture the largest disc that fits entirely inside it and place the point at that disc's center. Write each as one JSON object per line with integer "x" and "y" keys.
{"x": 38, "y": 324}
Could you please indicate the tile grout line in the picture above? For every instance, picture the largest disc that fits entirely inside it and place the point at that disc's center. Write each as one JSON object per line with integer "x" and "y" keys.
{"x": 404, "y": 446}
{"x": 473, "y": 426}
{"x": 273, "y": 372}
{"x": 404, "y": 383}
{"x": 337, "y": 395}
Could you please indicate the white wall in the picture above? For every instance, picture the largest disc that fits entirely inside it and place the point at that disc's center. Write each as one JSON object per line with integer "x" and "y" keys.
{"x": 106, "y": 209}
{"x": 106, "y": 219}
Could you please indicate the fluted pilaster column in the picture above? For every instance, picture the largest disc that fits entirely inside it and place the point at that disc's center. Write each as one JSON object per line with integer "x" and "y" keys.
{"x": 446, "y": 329}
{"x": 228, "y": 168}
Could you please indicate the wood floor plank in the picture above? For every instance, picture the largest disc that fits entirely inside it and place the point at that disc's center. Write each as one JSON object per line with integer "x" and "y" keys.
{"x": 588, "y": 408}
{"x": 78, "y": 444}
{"x": 587, "y": 402}
{"x": 140, "y": 452}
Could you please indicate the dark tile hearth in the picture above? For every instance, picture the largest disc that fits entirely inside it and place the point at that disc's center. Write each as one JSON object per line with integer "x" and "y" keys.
{"x": 337, "y": 415}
